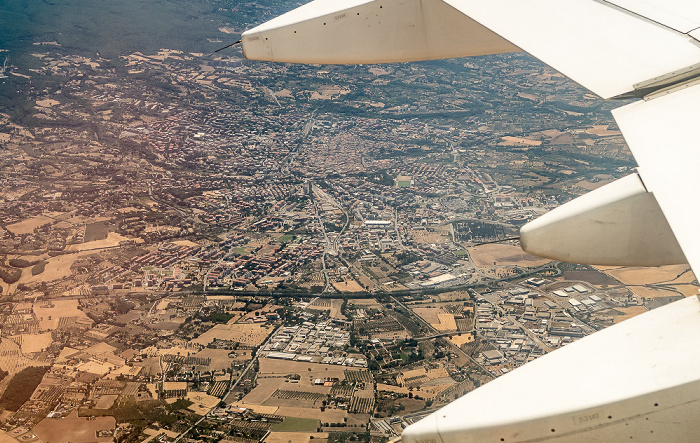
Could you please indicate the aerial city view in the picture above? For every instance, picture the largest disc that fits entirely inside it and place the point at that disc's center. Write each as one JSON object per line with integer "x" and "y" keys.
{"x": 199, "y": 247}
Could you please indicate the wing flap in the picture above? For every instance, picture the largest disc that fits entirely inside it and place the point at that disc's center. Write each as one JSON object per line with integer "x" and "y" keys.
{"x": 600, "y": 46}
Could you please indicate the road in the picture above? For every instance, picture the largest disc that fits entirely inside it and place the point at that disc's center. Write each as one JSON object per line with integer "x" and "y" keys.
{"x": 326, "y": 247}
{"x": 396, "y": 228}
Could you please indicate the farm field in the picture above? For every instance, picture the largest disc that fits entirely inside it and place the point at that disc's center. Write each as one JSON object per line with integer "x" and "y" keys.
{"x": 201, "y": 402}
{"x": 49, "y": 314}
{"x": 595, "y": 278}
{"x": 327, "y": 416}
{"x": 6, "y": 438}
{"x": 450, "y": 296}
{"x": 27, "y": 226}
{"x": 265, "y": 388}
{"x": 487, "y": 255}
{"x": 629, "y": 312}
{"x": 74, "y": 429}
{"x": 326, "y": 304}
{"x": 663, "y": 281}
{"x": 274, "y": 366}
{"x": 251, "y": 334}
{"x": 643, "y": 276}
{"x": 219, "y": 358}
{"x": 438, "y": 318}
{"x": 56, "y": 268}
{"x": 365, "y": 302}
{"x": 295, "y": 424}
{"x": 105, "y": 401}
{"x": 348, "y": 286}
{"x": 33, "y": 342}
{"x": 111, "y": 241}
{"x": 12, "y": 360}
{"x": 295, "y": 437}
{"x": 95, "y": 231}
{"x": 459, "y": 340}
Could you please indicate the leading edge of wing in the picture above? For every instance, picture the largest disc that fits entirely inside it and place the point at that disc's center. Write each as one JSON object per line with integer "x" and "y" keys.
{"x": 605, "y": 49}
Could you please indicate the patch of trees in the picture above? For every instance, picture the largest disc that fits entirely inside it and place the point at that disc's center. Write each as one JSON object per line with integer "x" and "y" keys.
{"x": 219, "y": 317}
{"x": 10, "y": 275}
{"x": 406, "y": 258}
{"x": 21, "y": 263}
{"x": 39, "y": 267}
{"x": 381, "y": 177}
{"x": 22, "y": 386}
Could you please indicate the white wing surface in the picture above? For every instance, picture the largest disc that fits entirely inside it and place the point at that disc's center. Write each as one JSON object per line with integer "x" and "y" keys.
{"x": 370, "y": 31}
{"x": 664, "y": 136}
{"x": 604, "y": 48}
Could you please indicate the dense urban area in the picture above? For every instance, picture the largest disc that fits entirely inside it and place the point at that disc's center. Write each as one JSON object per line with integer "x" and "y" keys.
{"x": 197, "y": 247}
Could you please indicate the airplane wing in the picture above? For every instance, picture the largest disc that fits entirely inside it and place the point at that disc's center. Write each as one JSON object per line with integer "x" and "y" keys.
{"x": 636, "y": 380}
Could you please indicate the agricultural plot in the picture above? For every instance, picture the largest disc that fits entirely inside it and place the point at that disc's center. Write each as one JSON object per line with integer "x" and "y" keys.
{"x": 341, "y": 391}
{"x": 463, "y": 339}
{"x": 326, "y": 304}
{"x": 112, "y": 241}
{"x": 446, "y": 322}
{"x": 296, "y": 437}
{"x": 663, "y": 281}
{"x": 249, "y": 334}
{"x": 438, "y": 318}
{"x": 12, "y": 360}
{"x": 247, "y": 431}
{"x": 504, "y": 255}
{"x": 378, "y": 326}
{"x": 76, "y": 429}
{"x": 30, "y": 343}
{"x": 250, "y": 425}
{"x": 218, "y": 389}
{"x": 299, "y": 395}
{"x": 49, "y": 314}
{"x": 130, "y": 389}
{"x": 201, "y": 403}
{"x": 365, "y": 303}
{"x": 629, "y": 312}
{"x": 359, "y": 405}
{"x": 327, "y": 416}
{"x": 95, "y": 231}
{"x": 271, "y": 366}
{"x": 27, "y": 226}
{"x": 320, "y": 303}
{"x": 295, "y": 424}
{"x": 464, "y": 324}
{"x": 105, "y": 401}
{"x": 348, "y": 285}
{"x": 17, "y": 324}
{"x": 361, "y": 376}
{"x": 265, "y": 388}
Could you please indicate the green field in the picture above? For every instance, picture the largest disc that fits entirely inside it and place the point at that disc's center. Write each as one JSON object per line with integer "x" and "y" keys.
{"x": 285, "y": 238}
{"x": 404, "y": 183}
{"x": 460, "y": 253}
{"x": 296, "y": 424}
